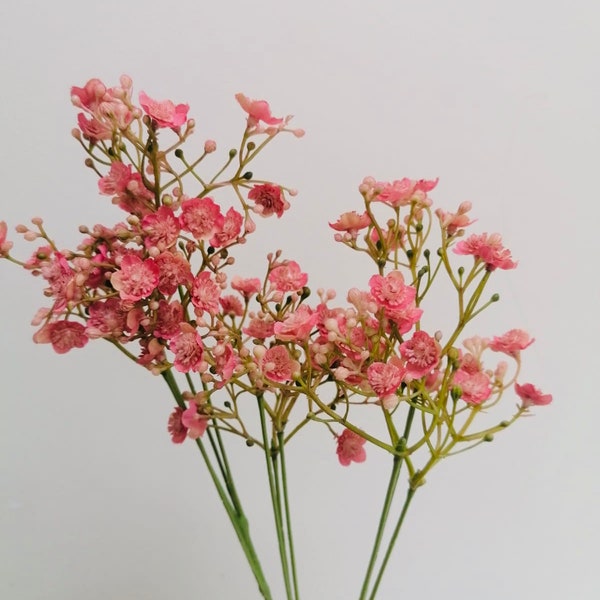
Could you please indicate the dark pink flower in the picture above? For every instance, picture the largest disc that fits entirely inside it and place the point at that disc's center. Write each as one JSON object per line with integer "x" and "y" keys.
{"x": 63, "y": 335}
{"x": 188, "y": 349}
{"x": 137, "y": 278}
{"x": 268, "y": 200}
{"x": 258, "y": 110}
{"x": 229, "y": 230}
{"x": 195, "y": 423}
{"x": 532, "y": 396}
{"x": 232, "y": 305}
{"x": 116, "y": 180}
{"x": 512, "y": 342}
{"x": 288, "y": 277}
{"x": 488, "y": 249}
{"x": 226, "y": 360}
{"x": 168, "y": 318}
{"x": 350, "y": 448}
{"x": 421, "y": 353}
{"x": 107, "y": 319}
{"x": 164, "y": 112}
{"x": 201, "y": 217}
{"x": 175, "y": 427}
{"x": 173, "y": 271}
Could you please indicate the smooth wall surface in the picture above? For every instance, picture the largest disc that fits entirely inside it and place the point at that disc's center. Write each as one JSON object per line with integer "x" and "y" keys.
{"x": 498, "y": 99}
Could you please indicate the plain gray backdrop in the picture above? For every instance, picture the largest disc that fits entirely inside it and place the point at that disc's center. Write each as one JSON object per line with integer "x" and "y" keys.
{"x": 498, "y": 99}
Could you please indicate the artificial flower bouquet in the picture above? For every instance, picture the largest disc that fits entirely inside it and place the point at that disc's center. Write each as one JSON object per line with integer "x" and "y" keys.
{"x": 257, "y": 357}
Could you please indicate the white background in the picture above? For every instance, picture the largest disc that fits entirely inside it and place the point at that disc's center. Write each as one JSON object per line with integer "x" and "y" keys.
{"x": 498, "y": 99}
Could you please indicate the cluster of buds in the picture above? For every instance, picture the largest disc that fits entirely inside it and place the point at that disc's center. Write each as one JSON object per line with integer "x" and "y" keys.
{"x": 158, "y": 285}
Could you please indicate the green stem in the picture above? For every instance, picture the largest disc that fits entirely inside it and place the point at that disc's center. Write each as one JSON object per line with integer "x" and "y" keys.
{"x": 271, "y": 461}
{"x": 389, "y": 496}
{"x": 234, "y": 511}
{"x": 409, "y": 496}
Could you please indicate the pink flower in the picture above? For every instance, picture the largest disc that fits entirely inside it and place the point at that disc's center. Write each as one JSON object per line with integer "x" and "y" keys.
{"x": 276, "y": 363}
{"x": 404, "y": 318}
{"x": 107, "y": 319}
{"x": 231, "y": 305}
{"x": 532, "y": 396}
{"x": 93, "y": 129}
{"x": 288, "y": 277}
{"x": 390, "y": 292}
{"x": 175, "y": 427}
{"x": 385, "y": 379}
{"x": 475, "y": 386}
{"x": 297, "y": 325}
{"x": 205, "y": 294}
{"x": 351, "y": 222}
{"x": 4, "y": 245}
{"x": 173, "y": 271}
{"x": 350, "y": 448}
{"x": 63, "y": 335}
{"x": 168, "y": 318}
{"x": 116, "y": 180}
{"x": 258, "y": 110}
{"x": 488, "y": 249}
{"x": 201, "y": 217}
{"x": 225, "y": 363}
{"x": 421, "y": 353}
{"x": 229, "y": 230}
{"x": 161, "y": 229}
{"x": 188, "y": 349}
{"x": 512, "y": 342}
{"x": 90, "y": 95}
{"x": 246, "y": 286}
{"x": 260, "y": 329}
{"x": 164, "y": 112}
{"x": 196, "y": 424}
{"x": 268, "y": 200}
{"x": 63, "y": 285}
{"x": 137, "y": 278}
{"x": 453, "y": 222}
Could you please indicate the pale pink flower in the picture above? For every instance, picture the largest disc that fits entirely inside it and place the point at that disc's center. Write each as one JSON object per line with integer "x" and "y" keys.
{"x": 137, "y": 278}
{"x": 161, "y": 229}
{"x": 188, "y": 349}
{"x": 288, "y": 277}
{"x": 475, "y": 386}
{"x": 260, "y": 329}
{"x": 404, "y": 318}
{"x": 385, "y": 378}
{"x": 116, "y": 180}
{"x": 297, "y": 325}
{"x": 397, "y": 193}
{"x": 231, "y": 305}
{"x": 62, "y": 283}
{"x": 276, "y": 364}
{"x": 93, "y": 129}
{"x": 63, "y": 335}
{"x": 90, "y": 95}
{"x": 176, "y": 428}
{"x": 350, "y": 448}
{"x": 226, "y": 360}
{"x": 532, "y": 396}
{"x": 173, "y": 271}
{"x": 168, "y": 318}
{"x": 390, "y": 292}
{"x": 268, "y": 200}
{"x": 205, "y": 294}
{"x": 421, "y": 353}
{"x": 164, "y": 112}
{"x": 248, "y": 287}
{"x": 195, "y": 423}
{"x": 488, "y": 249}
{"x": 5, "y": 246}
{"x": 351, "y": 222}
{"x": 453, "y": 222}
{"x": 258, "y": 110}
{"x": 201, "y": 217}
{"x": 229, "y": 231}
{"x": 512, "y": 342}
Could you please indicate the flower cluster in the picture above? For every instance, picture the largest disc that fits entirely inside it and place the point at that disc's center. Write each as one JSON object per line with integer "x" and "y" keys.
{"x": 159, "y": 285}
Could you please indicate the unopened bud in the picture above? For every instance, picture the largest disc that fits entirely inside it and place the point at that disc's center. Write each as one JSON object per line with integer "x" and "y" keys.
{"x": 495, "y": 298}
{"x": 488, "y": 437}
{"x": 247, "y": 175}
{"x": 179, "y": 153}
{"x": 232, "y": 153}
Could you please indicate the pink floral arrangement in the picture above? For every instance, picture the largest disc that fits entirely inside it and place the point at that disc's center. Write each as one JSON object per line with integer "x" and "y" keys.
{"x": 160, "y": 285}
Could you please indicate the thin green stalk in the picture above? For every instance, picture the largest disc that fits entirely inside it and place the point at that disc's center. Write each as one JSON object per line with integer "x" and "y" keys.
{"x": 236, "y": 515}
{"x": 288, "y": 520}
{"x": 275, "y": 498}
{"x": 389, "y": 496}
{"x": 409, "y": 496}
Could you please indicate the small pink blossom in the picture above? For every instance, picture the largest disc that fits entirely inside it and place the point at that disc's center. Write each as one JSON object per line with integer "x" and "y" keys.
{"x": 137, "y": 278}
{"x": 226, "y": 360}
{"x": 421, "y": 353}
{"x": 488, "y": 249}
{"x": 195, "y": 423}
{"x": 296, "y": 326}
{"x": 532, "y": 396}
{"x": 404, "y": 318}
{"x": 268, "y": 200}
{"x": 90, "y": 95}
{"x": 63, "y": 286}
{"x": 229, "y": 231}
{"x": 390, "y": 292}
{"x": 116, "y": 180}
{"x": 385, "y": 379}
{"x": 173, "y": 271}
{"x": 168, "y": 318}
{"x": 164, "y": 112}
{"x": 453, "y": 222}
{"x": 288, "y": 277}
{"x": 351, "y": 222}
{"x": 231, "y": 305}
{"x": 161, "y": 229}
{"x": 176, "y": 428}
{"x": 350, "y": 448}
{"x": 107, "y": 319}
{"x": 201, "y": 217}
{"x": 258, "y": 110}
{"x": 5, "y": 246}
{"x": 93, "y": 129}
{"x": 512, "y": 342}
{"x": 205, "y": 294}
{"x": 276, "y": 364}
{"x": 188, "y": 349}
{"x": 248, "y": 287}
{"x": 63, "y": 335}
{"x": 476, "y": 387}
{"x": 260, "y": 329}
